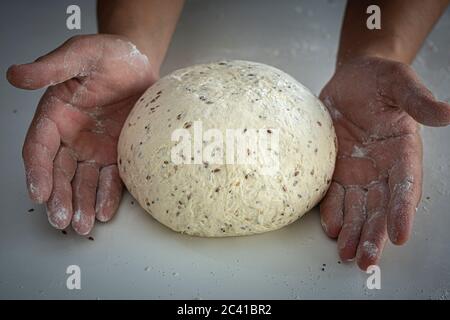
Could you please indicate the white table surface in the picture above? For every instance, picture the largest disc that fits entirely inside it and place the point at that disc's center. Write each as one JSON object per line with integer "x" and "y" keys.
{"x": 134, "y": 256}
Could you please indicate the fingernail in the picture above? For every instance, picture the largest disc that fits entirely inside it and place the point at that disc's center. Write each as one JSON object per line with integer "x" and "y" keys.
{"x": 82, "y": 223}
{"x": 100, "y": 212}
{"x": 58, "y": 219}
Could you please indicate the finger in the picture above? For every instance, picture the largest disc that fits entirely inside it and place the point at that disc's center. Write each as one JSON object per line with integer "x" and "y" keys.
{"x": 354, "y": 217}
{"x": 109, "y": 193}
{"x": 84, "y": 187}
{"x": 405, "y": 184}
{"x": 331, "y": 210}
{"x": 374, "y": 233}
{"x": 63, "y": 63}
{"x": 401, "y": 85}
{"x": 59, "y": 205}
{"x": 39, "y": 149}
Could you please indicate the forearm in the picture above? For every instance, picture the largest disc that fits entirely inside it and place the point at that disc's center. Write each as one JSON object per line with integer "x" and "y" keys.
{"x": 404, "y": 27}
{"x": 149, "y": 24}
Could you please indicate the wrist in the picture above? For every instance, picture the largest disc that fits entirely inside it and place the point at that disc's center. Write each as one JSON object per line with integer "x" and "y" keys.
{"x": 148, "y": 48}
{"x": 154, "y": 63}
{"x": 390, "y": 48}
{"x": 148, "y": 24}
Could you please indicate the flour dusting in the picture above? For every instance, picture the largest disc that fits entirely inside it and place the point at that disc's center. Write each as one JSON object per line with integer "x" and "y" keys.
{"x": 370, "y": 248}
{"x": 359, "y": 152}
{"x": 77, "y": 216}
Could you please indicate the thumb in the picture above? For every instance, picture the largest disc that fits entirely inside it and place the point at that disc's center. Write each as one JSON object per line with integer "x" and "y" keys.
{"x": 400, "y": 86}
{"x": 63, "y": 63}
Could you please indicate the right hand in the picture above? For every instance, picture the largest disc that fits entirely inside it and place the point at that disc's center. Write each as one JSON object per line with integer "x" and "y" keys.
{"x": 70, "y": 150}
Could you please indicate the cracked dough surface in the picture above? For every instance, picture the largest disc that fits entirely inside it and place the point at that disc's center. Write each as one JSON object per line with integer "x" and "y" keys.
{"x": 215, "y": 200}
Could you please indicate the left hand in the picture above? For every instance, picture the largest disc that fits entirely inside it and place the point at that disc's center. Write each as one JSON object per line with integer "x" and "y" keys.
{"x": 376, "y": 105}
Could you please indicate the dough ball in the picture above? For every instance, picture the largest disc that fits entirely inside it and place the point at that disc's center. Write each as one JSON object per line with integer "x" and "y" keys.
{"x": 226, "y": 149}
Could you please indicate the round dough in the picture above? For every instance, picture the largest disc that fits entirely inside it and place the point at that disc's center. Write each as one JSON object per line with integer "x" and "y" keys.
{"x": 210, "y": 199}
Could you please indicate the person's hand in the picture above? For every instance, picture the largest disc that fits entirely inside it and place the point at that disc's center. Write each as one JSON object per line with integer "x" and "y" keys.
{"x": 70, "y": 150}
{"x": 376, "y": 105}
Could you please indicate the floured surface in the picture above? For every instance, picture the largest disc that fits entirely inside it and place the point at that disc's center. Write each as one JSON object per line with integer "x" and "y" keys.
{"x": 299, "y": 37}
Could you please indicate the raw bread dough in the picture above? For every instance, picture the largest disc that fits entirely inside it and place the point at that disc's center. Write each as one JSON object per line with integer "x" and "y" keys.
{"x": 213, "y": 199}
